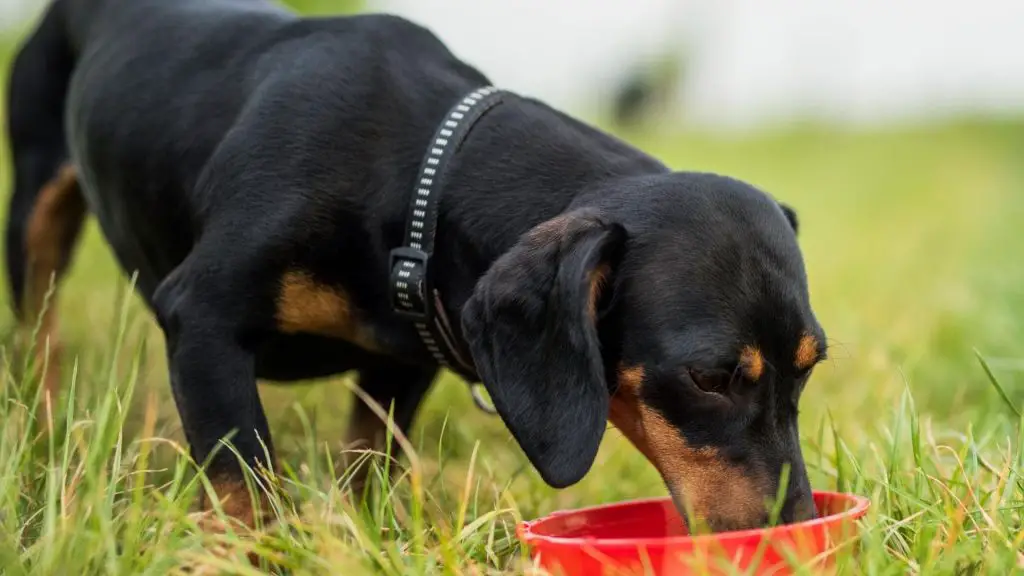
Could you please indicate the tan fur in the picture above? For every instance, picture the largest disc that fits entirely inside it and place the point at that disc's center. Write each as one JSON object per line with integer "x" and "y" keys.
{"x": 624, "y": 408}
{"x": 806, "y": 352}
{"x": 238, "y": 507}
{"x": 307, "y": 306}
{"x": 709, "y": 484}
{"x": 235, "y": 500}
{"x": 598, "y": 278}
{"x": 752, "y": 363}
{"x": 630, "y": 379}
{"x": 50, "y": 234}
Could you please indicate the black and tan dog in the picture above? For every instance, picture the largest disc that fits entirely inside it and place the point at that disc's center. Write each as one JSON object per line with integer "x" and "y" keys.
{"x": 256, "y": 168}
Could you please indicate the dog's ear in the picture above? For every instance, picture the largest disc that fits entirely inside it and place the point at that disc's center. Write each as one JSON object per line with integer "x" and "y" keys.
{"x": 791, "y": 216}
{"x": 531, "y": 328}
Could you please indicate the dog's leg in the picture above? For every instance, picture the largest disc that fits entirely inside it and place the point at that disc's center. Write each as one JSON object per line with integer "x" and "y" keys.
{"x": 46, "y": 207}
{"x": 212, "y": 369}
{"x": 390, "y": 385}
{"x": 51, "y": 234}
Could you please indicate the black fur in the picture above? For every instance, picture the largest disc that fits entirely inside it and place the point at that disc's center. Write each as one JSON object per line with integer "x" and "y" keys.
{"x": 222, "y": 143}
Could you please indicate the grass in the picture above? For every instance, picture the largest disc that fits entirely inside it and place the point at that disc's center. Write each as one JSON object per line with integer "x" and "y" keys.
{"x": 911, "y": 242}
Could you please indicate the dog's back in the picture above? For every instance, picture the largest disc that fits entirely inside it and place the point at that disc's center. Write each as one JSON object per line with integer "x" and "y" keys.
{"x": 150, "y": 87}
{"x": 117, "y": 107}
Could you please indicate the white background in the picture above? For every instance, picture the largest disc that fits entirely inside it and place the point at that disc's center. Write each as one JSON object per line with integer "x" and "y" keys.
{"x": 753, "y": 62}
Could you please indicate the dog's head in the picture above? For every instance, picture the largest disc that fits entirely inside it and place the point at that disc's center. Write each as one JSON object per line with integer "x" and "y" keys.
{"x": 676, "y": 307}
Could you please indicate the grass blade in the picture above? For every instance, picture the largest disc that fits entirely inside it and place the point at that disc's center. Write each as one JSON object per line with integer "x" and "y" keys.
{"x": 996, "y": 384}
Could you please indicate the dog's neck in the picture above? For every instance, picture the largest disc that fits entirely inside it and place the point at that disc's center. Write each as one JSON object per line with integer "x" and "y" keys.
{"x": 524, "y": 164}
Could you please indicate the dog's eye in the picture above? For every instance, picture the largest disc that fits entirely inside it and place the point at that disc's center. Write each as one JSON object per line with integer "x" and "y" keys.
{"x": 714, "y": 381}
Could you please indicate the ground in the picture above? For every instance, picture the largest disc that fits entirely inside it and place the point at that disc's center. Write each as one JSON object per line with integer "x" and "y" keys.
{"x": 911, "y": 241}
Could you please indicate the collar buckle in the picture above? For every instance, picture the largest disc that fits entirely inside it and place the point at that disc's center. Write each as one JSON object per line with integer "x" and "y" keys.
{"x": 409, "y": 288}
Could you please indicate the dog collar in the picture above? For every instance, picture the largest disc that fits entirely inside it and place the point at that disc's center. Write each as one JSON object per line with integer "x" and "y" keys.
{"x": 413, "y": 295}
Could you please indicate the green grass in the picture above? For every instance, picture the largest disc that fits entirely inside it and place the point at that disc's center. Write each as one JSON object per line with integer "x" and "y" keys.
{"x": 911, "y": 241}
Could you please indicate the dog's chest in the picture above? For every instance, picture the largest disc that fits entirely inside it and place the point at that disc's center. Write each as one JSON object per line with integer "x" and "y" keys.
{"x": 306, "y": 306}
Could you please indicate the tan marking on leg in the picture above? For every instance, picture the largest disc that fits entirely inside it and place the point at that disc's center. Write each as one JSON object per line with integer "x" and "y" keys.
{"x": 752, "y": 363}
{"x": 238, "y": 506}
{"x": 307, "y": 306}
{"x": 235, "y": 500}
{"x": 51, "y": 231}
{"x": 715, "y": 490}
{"x": 806, "y": 352}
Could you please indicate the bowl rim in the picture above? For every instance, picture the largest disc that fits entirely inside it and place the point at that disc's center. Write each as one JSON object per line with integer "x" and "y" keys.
{"x": 859, "y": 508}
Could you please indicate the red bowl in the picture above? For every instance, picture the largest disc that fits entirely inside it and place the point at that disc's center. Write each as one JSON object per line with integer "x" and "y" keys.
{"x": 649, "y": 537}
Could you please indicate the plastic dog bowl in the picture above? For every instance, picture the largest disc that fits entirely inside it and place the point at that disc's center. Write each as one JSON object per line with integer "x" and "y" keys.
{"x": 649, "y": 537}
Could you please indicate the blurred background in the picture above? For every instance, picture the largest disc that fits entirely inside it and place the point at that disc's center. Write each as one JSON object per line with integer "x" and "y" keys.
{"x": 729, "y": 64}
{"x": 894, "y": 127}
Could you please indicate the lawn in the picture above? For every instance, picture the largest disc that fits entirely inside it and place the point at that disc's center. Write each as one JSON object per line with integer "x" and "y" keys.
{"x": 911, "y": 237}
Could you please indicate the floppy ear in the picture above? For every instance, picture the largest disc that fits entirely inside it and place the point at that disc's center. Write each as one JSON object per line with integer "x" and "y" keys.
{"x": 531, "y": 329}
{"x": 791, "y": 216}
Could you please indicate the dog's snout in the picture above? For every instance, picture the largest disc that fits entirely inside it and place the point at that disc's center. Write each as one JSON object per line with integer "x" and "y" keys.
{"x": 798, "y": 507}
{"x": 727, "y": 524}
{"x": 729, "y": 507}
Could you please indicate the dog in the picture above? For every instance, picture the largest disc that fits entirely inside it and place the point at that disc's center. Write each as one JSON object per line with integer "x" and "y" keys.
{"x": 255, "y": 170}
